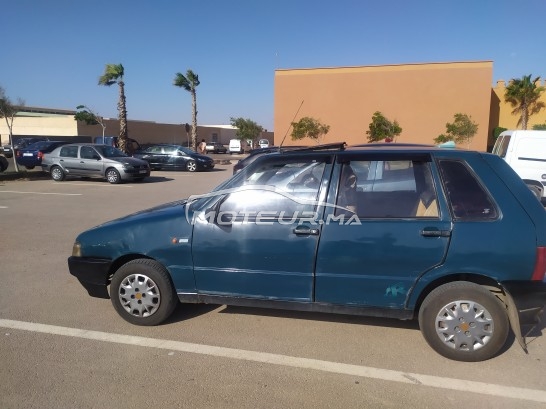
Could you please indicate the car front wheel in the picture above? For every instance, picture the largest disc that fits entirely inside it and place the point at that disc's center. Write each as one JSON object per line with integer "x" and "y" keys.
{"x": 112, "y": 176}
{"x": 464, "y": 321}
{"x": 142, "y": 292}
{"x": 57, "y": 174}
{"x": 191, "y": 166}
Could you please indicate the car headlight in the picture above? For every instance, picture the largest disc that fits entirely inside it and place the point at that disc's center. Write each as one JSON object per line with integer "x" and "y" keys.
{"x": 127, "y": 166}
{"x": 77, "y": 249}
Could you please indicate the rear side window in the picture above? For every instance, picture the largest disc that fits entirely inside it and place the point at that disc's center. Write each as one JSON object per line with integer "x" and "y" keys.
{"x": 467, "y": 197}
{"x": 69, "y": 152}
{"x": 387, "y": 189}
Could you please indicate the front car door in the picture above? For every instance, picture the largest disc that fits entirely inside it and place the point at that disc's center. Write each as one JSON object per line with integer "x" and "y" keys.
{"x": 402, "y": 230}
{"x": 261, "y": 235}
{"x": 91, "y": 163}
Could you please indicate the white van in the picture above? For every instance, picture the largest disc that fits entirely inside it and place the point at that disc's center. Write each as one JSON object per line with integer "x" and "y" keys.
{"x": 525, "y": 152}
{"x": 235, "y": 146}
{"x": 264, "y": 143}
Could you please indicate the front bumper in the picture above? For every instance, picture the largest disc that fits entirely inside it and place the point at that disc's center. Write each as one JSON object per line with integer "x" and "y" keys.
{"x": 205, "y": 166}
{"x": 92, "y": 273}
{"x": 130, "y": 174}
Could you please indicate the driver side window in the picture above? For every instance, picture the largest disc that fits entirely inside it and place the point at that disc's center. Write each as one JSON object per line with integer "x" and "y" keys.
{"x": 277, "y": 190}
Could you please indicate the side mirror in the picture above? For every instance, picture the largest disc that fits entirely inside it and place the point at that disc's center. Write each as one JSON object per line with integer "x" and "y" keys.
{"x": 96, "y": 157}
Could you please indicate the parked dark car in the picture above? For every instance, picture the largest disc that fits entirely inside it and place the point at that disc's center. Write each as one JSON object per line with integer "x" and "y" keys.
{"x": 20, "y": 143}
{"x": 166, "y": 156}
{"x": 216, "y": 147}
{"x": 3, "y": 163}
{"x": 132, "y": 144}
{"x": 94, "y": 161}
{"x": 453, "y": 238}
{"x": 32, "y": 155}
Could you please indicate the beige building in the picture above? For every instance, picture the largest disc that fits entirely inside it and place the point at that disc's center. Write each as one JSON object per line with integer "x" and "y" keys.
{"x": 421, "y": 97}
{"x": 33, "y": 121}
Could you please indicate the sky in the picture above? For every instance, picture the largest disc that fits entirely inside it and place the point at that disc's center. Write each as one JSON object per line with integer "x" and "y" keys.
{"x": 54, "y": 51}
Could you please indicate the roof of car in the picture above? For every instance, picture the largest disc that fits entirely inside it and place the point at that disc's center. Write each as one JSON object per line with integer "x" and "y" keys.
{"x": 343, "y": 147}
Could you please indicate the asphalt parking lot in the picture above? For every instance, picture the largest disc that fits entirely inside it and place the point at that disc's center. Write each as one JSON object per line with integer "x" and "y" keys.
{"x": 60, "y": 348}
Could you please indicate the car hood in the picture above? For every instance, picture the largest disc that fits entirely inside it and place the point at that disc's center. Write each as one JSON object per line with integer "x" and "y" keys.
{"x": 150, "y": 232}
{"x": 129, "y": 161}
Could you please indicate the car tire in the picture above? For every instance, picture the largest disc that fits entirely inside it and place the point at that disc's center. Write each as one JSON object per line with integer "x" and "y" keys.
{"x": 464, "y": 321}
{"x": 57, "y": 174}
{"x": 191, "y": 166}
{"x": 142, "y": 292}
{"x": 113, "y": 176}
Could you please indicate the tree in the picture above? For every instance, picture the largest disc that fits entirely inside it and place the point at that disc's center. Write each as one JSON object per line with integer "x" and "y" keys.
{"x": 539, "y": 127}
{"x": 113, "y": 74}
{"x": 8, "y": 111}
{"x": 524, "y": 94}
{"x": 381, "y": 128}
{"x": 308, "y": 127}
{"x": 84, "y": 114}
{"x": 246, "y": 129}
{"x": 462, "y": 130}
{"x": 190, "y": 82}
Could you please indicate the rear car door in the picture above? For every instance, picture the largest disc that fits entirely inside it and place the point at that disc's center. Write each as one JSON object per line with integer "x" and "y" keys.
{"x": 68, "y": 159}
{"x": 389, "y": 227}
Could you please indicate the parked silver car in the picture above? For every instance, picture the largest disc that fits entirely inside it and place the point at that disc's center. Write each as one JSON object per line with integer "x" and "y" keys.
{"x": 98, "y": 161}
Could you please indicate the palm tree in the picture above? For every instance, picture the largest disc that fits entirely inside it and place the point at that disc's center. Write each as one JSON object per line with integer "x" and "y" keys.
{"x": 523, "y": 94}
{"x": 113, "y": 74}
{"x": 189, "y": 82}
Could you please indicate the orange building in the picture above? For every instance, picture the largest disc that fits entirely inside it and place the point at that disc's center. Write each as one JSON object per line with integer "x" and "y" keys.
{"x": 421, "y": 97}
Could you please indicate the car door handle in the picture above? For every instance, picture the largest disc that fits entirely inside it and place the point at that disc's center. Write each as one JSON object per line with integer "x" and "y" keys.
{"x": 435, "y": 233}
{"x": 305, "y": 231}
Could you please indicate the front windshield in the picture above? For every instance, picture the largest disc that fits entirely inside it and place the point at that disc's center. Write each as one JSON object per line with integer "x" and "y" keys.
{"x": 110, "y": 151}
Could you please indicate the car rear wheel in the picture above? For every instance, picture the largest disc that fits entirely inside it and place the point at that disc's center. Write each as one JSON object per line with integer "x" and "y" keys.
{"x": 142, "y": 292}
{"x": 191, "y": 166}
{"x": 112, "y": 176}
{"x": 464, "y": 321}
{"x": 57, "y": 174}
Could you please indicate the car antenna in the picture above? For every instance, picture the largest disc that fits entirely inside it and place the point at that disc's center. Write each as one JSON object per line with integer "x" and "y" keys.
{"x": 286, "y": 134}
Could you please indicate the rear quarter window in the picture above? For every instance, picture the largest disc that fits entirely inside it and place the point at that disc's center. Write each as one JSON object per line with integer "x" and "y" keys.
{"x": 467, "y": 197}
{"x": 69, "y": 152}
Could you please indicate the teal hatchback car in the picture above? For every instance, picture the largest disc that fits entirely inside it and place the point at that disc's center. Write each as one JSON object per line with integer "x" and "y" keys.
{"x": 450, "y": 237}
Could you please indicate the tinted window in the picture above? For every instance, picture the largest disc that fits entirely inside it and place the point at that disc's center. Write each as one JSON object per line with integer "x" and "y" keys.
{"x": 387, "y": 189}
{"x": 87, "y": 152}
{"x": 467, "y": 198}
{"x": 69, "y": 152}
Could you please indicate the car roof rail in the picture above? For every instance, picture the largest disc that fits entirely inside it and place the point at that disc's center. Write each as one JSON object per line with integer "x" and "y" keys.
{"x": 387, "y": 144}
{"x": 327, "y": 146}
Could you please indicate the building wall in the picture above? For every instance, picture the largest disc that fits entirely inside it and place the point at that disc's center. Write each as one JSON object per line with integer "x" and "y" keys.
{"x": 64, "y": 125}
{"x": 421, "y": 97}
{"x": 502, "y": 111}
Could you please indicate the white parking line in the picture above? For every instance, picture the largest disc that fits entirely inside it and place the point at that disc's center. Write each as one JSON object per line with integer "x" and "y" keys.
{"x": 88, "y": 185}
{"x": 482, "y": 388}
{"x": 40, "y": 193}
